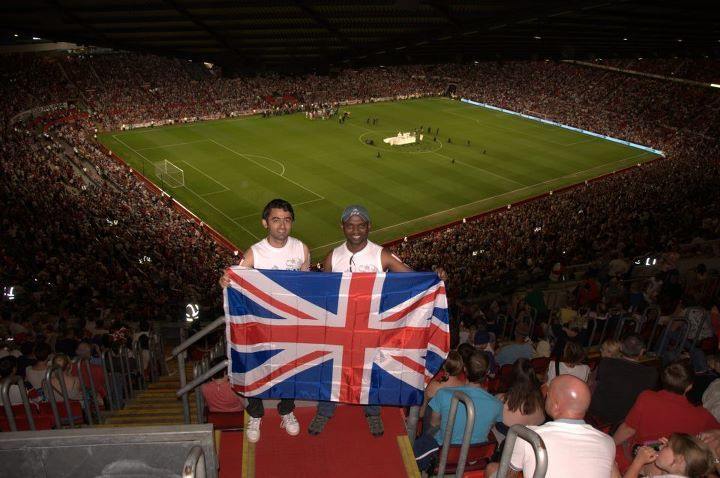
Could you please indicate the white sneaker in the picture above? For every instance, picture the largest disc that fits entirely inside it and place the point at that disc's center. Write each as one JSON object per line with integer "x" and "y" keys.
{"x": 253, "y": 430}
{"x": 290, "y": 424}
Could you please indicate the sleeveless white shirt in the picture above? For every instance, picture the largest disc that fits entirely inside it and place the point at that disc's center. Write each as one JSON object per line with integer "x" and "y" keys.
{"x": 290, "y": 257}
{"x": 369, "y": 259}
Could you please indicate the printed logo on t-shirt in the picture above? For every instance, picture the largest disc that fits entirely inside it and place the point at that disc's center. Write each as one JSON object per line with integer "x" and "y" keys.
{"x": 293, "y": 264}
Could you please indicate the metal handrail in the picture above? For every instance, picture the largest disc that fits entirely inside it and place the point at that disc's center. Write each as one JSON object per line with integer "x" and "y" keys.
{"x": 50, "y": 395}
{"x": 181, "y": 353}
{"x": 113, "y": 394}
{"x": 109, "y": 394}
{"x": 411, "y": 423}
{"x": 199, "y": 335}
{"x": 620, "y": 327}
{"x": 93, "y": 390}
{"x": 447, "y": 441}
{"x": 202, "y": 378}
{"x": 701, "y": 325}
{"x": 646, "y": 314}
{"x": 127, "y": 373}
{"x": 199, "y": 401}
{"x": 194, "y": 466}
{"x": 664, "y": 338}
{"x": 504, "y": 319}
{"x": 139, "y": 364}
{"x": 541, "y": 458}
{"x": 85, "y": 400}
{"x": 7, "y": 405}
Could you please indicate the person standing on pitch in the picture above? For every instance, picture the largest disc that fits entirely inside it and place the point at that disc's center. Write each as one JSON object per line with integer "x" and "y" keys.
{"x": 357, "y": 254}
{"x": 277, "y": 251}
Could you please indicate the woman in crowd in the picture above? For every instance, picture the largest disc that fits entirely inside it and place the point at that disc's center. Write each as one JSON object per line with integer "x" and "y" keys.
{"x": 523, "y": 403}
{"x": 571, "y": 363}
{"x": 451, "y": 376}
{"x": 72, "y": 383}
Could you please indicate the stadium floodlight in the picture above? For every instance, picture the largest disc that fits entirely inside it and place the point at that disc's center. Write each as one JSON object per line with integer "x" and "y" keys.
{"x": 170, "y": 174}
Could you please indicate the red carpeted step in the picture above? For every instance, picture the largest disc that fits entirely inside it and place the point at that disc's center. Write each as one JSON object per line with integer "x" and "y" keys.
{"x": 345, "y": 448}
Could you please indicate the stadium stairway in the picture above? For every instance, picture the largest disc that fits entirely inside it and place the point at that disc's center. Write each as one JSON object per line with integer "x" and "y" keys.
{"x": 345, "y": 448}
{"x": 157, "y": 405}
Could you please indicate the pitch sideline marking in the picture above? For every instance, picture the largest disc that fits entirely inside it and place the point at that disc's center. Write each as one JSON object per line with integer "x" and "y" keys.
{"x": 268, "y": 169}
{"x": 173, "y": 145}
{"x": 490, "y": 198}
{"x": 191, "y": 191}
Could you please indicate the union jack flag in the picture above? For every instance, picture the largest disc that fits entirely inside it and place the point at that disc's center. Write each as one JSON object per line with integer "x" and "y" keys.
{"x": 363, "y": 338}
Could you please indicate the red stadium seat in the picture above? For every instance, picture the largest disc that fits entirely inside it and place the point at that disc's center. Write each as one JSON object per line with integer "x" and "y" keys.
{"x": 504, "y": 376}
{"x": 226, "y": 421}
{"x": 42, "y": 421}
{"x": 75, "y": 409}
{"x": 478, "y": 456}
{"x": 540, "y": 365}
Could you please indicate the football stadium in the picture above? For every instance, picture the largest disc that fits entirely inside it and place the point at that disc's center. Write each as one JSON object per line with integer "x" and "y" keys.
{"x": 402, "y": 238}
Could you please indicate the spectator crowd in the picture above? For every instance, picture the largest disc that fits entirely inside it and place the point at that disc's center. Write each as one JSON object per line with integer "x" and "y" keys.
{"x": 88, "y": 250}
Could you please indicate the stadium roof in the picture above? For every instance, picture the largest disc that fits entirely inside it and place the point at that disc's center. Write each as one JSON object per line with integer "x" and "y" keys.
{"x": 311, "y": 33}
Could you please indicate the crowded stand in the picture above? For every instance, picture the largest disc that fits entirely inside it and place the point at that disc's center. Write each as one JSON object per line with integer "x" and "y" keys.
{"x": 95, "y": 257}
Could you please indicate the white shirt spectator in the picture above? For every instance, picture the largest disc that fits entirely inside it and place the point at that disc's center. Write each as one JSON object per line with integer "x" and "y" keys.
{"x": 580, "y": 371}
{"x": 574, "y": 448}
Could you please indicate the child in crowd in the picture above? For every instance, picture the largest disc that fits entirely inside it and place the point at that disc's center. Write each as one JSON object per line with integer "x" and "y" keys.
{"x": 681, "y": 456}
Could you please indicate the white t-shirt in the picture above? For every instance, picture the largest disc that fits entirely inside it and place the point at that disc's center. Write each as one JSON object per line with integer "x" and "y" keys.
{"x": 574, "y": 449}
{"x": 369, "y": 259}
{"x": 290, "y": 257}
{"x": 580, "y": 371}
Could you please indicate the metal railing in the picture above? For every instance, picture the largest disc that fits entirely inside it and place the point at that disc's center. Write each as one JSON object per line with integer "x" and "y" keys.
{"x": 194, "y": 466}
{"x": 467, "y": 435}
{"x": 411, "y": 423}
{"x": 202, "y": 378}
{"x": 181, "y": 353}
{"x": 538, "y": 446}
{"x": 50, "y": 395}
{"x": 7, "y": 405}
{"x": 89, "y": 393}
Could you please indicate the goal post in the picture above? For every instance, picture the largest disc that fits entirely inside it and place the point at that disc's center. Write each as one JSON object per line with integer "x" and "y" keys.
{"x": 170, "y": 174}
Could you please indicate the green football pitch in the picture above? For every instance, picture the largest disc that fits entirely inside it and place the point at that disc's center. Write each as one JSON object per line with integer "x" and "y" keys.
{"x": 232, "y": 168}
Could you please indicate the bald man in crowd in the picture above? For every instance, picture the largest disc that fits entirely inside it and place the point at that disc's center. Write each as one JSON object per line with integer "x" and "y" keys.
{"x": 574, "y": 448}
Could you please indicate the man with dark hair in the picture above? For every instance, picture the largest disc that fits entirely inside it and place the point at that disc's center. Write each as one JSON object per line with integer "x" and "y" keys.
{"x": 277, "y": 251}
{"x": 619, "y": 381}
{"x": 659, "y": 414}
{"x": 488, "y": 411}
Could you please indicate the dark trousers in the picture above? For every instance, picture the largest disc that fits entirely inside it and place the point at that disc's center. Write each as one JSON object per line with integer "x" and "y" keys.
{"x": 256, "y": 409}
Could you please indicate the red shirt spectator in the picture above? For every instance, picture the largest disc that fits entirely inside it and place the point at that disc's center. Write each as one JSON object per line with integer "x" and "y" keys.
{"x": 660, "y": 414}
{"x": 220, "y": 397}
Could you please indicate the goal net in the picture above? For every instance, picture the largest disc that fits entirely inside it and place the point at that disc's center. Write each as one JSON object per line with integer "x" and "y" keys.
{"x": 170, "y": 174}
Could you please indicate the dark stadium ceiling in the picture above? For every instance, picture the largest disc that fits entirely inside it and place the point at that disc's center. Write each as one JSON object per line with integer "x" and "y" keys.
{"x": 313, "y": 33}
